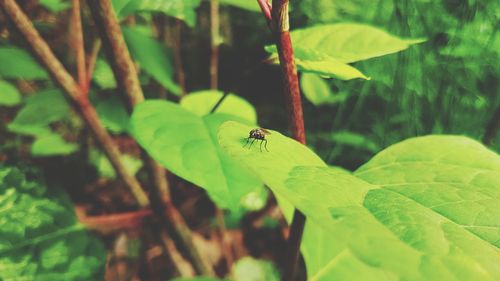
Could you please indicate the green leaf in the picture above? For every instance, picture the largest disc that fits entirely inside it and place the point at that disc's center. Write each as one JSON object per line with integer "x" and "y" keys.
{"x": 41, "y": 109}
{"x": 52, "y": 145}
{"x": 250, "y": 269}
{"x": 106, "y": 170}
{"x": 182, "y": 9}
{"x": 312, "y": 61}
{"x": 202, "y": 102}
{"x": 9, "y": 95}
{"x": 350, "y": 42}
{"x": 103, "y": 75}
{"x": 424, "y": 209}
{"x": 318, "y": 91}
{"x": 19, "y": 64}
{"x": 113, "y": 114}
{"x": 427, "y": 210}
{"x": 270, "y": 167}
{"x": 186, "y": 144}
{"x": 152, "y": 57}
{"x": 249, "y": 5}
{"x": 326, "y": 49}
{"x": 40, "y": 238}
{"x": 29, "y": 130}
{"x": 55, "y": 6}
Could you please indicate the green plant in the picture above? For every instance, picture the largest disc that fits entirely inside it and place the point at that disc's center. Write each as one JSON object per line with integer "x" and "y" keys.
{"x": 40, "y": 238}
{"x": 422, "y": 209}
{"x": 121, "y": 120}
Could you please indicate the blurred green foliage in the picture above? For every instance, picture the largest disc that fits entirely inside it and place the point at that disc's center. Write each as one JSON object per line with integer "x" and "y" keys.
{"x": 449, "y": 84}
{"x": 40, "y": 238}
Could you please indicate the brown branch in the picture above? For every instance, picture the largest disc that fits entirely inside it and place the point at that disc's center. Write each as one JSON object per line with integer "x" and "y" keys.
{"x": 92, "y": 59}
{"x": 215, "y": 41}
{"x": 64, "y": 80}
{"x": 121, "y": 63}
{"x": 280, "y": 26}
{"x": 77, "y": 45}
{"x": 128, "y": 81}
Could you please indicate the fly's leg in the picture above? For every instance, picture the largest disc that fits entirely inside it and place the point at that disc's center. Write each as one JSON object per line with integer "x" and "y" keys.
{"x": 261, "y": 141}
{"x": 265, "y": 145}
{"x": 248, "y": 140}
{"x": 253, "y": 140}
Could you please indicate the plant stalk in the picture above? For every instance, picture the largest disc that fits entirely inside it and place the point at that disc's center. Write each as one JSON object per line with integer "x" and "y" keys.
{"x": 215, "y": 40}
{"x": 69, "y": 86}
{"x": 78, "y": 46}
{"x": 128, "y": 81}
{"x": 278, "y": 20}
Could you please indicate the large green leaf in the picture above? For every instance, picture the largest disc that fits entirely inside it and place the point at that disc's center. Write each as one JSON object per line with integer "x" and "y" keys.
{"x": 273, "y": 166}
{"x": 152, "y": 56}
{"x": 349, "y": 42}
{"x": 182, "y": 9}
{"x": 9, "y": 95}
{"x": 186, "y": 144}
{"x": 19, "y": 64}
{"x": 202, "y": 102}
{"x": 424, "y": 209}
{"x": 40, "y": 238}
{"x": 326, "y": 49}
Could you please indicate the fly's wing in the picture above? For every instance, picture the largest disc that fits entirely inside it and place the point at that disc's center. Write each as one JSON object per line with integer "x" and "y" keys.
{"x": 266, "y": 132}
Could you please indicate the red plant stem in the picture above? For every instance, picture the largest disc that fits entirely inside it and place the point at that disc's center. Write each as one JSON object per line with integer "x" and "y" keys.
{"x": 215, "y": 37}
{"x": 77, "y": 45}
{"x": 126, "y": 76}
{"x": 80, "y": 101}
{"x": 279, "y": 24}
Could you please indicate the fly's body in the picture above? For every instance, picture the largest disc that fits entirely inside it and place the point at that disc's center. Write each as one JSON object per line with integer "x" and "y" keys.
{"x": 258, "y": 134}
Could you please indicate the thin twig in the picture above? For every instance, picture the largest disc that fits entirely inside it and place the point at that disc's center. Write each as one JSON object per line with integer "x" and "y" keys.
{"x": 127, "y": 78}
{"x": 62, "y": 78}
{"x": 77, "y": 45}
{"x": 92, "y": 59}
{"x": 280, "y": 26}
{"x": 219, "y": 102}
{"x": 215, "y": 41}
